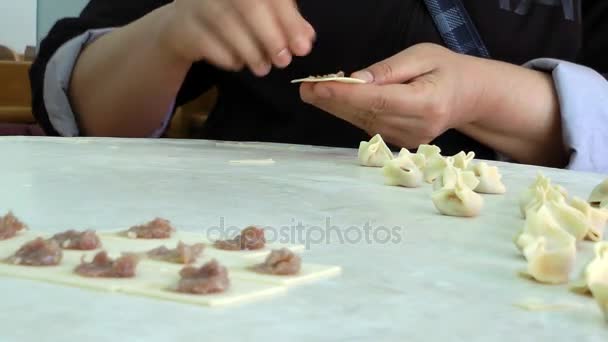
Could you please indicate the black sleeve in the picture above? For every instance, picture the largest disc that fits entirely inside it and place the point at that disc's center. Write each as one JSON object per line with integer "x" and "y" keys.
{"x": 104, "y": 14}
{"x": 594, "y": 51}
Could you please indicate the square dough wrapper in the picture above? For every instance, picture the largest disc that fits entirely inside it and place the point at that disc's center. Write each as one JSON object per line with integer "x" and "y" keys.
{"x": 153, "y": 279}
{"x": 308, "y": 273}
{"x": 117, "y": 241}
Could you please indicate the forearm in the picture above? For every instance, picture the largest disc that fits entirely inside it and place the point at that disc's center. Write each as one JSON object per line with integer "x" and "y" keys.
{"x": 124, "y": 83}
{"x": 518, "y": 114}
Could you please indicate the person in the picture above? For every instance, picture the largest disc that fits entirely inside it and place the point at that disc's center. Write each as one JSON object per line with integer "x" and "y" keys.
{"x": 121, "y": 68}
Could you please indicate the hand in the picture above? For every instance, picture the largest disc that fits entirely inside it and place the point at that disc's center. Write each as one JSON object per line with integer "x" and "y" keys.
{"x": 410, "y": 98}
{"x": 234, "y": 33}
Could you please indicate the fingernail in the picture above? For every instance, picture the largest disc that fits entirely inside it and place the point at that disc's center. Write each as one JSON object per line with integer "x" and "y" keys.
{"x": 322, "y": 91}
{"x": 302, "y": 46}
{"x": 364, "y": 75}
{"x": 283, "y": 58}
{"x": 262, "y": 69}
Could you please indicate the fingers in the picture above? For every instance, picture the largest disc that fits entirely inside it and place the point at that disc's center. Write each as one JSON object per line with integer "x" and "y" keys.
{"x": 218, "y": 53}
{"x": 390, "y": 109}
{"x": 264, "y": 25}
{"x": 230, "y": 29}
{"x": 261, "y": 33}
{"x": 402, "y": 67}
{"x": 299, "y": 33}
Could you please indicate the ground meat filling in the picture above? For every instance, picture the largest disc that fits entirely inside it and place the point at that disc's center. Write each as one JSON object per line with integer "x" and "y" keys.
{"x": 82, "y": 241}
{"x": 280, "y": 262}
{"x": 9, "y": 226}
{"x": 183, "y": 254}
{"x": 210, "y": 278}
{"x": 251, "y": 238}
{"x": 103, "y": 266}
{"x": 38, "y": 252}
{"x": 156, "y": 229}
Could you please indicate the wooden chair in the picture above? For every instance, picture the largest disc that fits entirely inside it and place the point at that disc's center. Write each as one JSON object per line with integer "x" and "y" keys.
{"x": 15, "y": 94}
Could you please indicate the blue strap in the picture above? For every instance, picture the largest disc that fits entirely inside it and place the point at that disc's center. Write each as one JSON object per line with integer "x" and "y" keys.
{"x": 456, "y": 27}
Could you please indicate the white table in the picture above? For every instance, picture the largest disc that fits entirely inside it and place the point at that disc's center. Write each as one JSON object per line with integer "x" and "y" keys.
{"x": 446, "y": 279}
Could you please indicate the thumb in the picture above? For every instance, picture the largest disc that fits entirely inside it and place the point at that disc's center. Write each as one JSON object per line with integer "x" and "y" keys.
{"x": 400, "y": 68}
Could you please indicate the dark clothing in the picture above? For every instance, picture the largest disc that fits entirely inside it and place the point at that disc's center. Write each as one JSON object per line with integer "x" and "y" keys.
{"x": 351, "y": 34}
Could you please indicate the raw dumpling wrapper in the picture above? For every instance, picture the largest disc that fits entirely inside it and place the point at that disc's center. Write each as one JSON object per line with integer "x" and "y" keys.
{"x": 462, "y": 159}
{"x": 429, "y": 151}
{"x": 550, "y": 258}
{"x": 543, "y": 183}
{"x": 418, "y": 159}
{"x": 459, "y": 200}
{"x": 374, "y": 153}
{"x": 596, "y": 218}
{"x": 538, "y": 224}
{"x": 568, "y": 218}
{"x": 402, "y": 171}
{"x": 595, "y": 278}
{"x": 490, "y": 179}
{"x": 450, "y": 175}
{"x": 596, "y": 271}
{"x": 599, "y": 195}
{"x": 434, "y": 162}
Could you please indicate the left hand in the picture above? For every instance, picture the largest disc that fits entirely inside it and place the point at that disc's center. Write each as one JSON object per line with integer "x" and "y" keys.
{"x": 410, "y": 98}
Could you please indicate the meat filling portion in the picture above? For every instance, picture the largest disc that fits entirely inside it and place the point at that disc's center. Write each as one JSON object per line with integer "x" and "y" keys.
{"x": 9, "y": 226}
{"x": 182, "y": 254}
{"x": 210, "y": 278}
{"x": 82, "y": 241}
{"x": 156, "y": 229}
{"x": 38, "y": 252}
{"x": 103, "y": 266}
{"x": 280, "y": 262}
{"x": 251, "y": 238}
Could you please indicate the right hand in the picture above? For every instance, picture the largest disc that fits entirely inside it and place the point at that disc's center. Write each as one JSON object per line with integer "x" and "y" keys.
{"x": 233, "y": 33}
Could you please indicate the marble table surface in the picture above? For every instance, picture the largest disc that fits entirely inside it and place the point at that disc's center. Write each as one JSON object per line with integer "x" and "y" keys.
{"x": 409, "y": 274}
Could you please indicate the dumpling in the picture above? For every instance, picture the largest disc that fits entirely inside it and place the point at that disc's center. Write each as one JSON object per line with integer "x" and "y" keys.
{"x": 459, "y": 200}
{"x": 450, "y": 174}
{"x": 551, "y": 258}
{"x": 599, "y": 195}
{"x": 537, "y": 224}
{"x": 567, "y": 217}
{"x": 429, "y": 151}
{"x": 418, "y": 159}
{"x": 462, "y": 159}
{"x": 374, "y": 153}
{"x": 490, "y": 179}
{"x": 596, "y": 271}
{"x": 544, "y": 183}
{"x": 402, "y": 171}
{"x": 596, "y": 218}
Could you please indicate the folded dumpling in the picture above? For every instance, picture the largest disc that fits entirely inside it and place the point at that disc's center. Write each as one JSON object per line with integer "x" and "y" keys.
{"x": 450, "y": 174}
{"x": 596, "y": 270}
{"x": 551, "y": 258}
{"x": 490, "y": 179}
{"x": 537, "y": 224}
{"x": 541, "y": 183}
{"x": 567, "y": 217}
{"x": 462, "y": 159}
{"x": 402, "y": 171}
{"x": 418, "y": 159}
{"x": 599, "y": 195}
{"x": 374, "y": 153}
{"x": 429, "y": 151}
{"x": 596, "y": 218}
{"x": 459, "y": 200}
